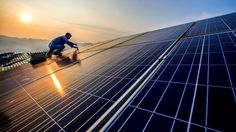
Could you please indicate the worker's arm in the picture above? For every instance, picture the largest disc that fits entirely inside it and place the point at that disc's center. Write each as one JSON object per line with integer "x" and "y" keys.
{"x": 71, "y": 44}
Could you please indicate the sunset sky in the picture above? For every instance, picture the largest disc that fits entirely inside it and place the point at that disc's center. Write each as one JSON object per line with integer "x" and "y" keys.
{"x": 97, "y": 20}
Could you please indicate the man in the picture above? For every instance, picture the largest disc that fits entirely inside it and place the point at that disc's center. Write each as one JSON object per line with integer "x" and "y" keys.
{"x": 58, "y": 44}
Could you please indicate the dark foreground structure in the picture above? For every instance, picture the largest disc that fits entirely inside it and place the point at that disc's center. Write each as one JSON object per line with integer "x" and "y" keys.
{"x": 181, "y": 78}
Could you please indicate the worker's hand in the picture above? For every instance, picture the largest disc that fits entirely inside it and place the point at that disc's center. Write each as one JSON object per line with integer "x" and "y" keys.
{"x": 75, "y": 46}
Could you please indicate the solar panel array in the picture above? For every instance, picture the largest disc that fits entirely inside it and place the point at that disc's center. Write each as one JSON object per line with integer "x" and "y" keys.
{"x": 193, "y": 87}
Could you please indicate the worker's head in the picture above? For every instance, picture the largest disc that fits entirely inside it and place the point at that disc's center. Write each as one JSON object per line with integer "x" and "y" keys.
{"x": 68, "y": 35}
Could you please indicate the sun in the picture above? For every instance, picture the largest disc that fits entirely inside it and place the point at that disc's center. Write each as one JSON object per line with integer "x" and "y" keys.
{"x": 26, "y": 18}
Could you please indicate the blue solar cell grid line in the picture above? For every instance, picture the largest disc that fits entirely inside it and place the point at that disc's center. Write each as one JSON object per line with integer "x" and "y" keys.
{"x": 181, "y": 78}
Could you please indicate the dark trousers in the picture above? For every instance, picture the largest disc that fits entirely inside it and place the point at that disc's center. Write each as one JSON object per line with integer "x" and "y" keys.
{"x": 57, "y": 47}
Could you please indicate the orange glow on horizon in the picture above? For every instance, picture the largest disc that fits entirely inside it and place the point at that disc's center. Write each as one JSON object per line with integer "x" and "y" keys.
{"x": 42, "y": 20}
{"x": 56, "y": 82}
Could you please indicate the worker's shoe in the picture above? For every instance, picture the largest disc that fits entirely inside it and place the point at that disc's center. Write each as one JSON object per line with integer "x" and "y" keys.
{"x": 59, "y": 54}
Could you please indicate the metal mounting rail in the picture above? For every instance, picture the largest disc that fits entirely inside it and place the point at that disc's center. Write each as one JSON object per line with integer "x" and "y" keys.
{"x": 106, "y": 119}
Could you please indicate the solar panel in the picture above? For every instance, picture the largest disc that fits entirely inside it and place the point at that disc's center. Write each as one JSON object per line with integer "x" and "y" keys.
{"x": 112, "y": 43}
{"x": 213, "y": 25}
{"x": 165, "y": 34}
{"x": 230, "y": 20}
{"x": 216, "y": 25}
{"x": 188, "y": 91}
{"x": 89, "y": 96}
{"x": 191, "y": 85}
{"x": 198, "y": 28}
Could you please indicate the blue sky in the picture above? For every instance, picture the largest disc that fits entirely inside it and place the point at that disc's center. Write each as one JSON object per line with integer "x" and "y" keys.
{"x": 97, "y": 20}
{"x": 153, "y": 14}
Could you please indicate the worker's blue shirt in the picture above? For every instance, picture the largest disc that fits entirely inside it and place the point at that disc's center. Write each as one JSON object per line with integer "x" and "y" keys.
{"x": 61, "y": 40}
